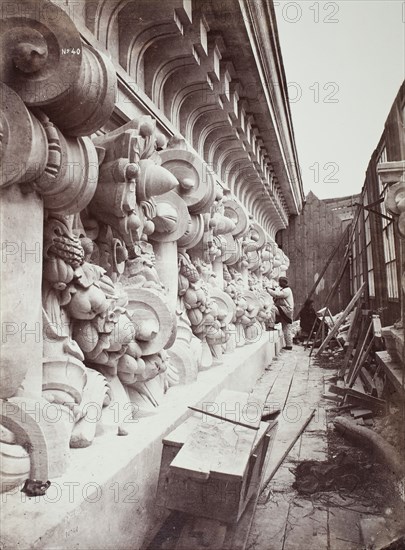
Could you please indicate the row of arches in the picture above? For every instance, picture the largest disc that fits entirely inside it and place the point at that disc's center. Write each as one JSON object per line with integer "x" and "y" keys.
{"x": 170, "y": 53}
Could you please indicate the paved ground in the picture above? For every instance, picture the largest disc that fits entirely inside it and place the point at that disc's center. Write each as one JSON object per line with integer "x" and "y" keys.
{"x": 284, "y": 519}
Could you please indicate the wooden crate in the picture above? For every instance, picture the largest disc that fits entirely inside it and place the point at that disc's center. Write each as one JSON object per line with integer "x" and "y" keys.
{"x": 211, "y": 468}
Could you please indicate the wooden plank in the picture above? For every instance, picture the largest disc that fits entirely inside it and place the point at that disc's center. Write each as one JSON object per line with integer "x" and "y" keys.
{"x": 368, "y": 382}
{"x": 224, "y": 418}
{"x": 233, "y": 461}
{"x": 219, "y": 436}
{"x": 362, "y": 358}
{"x": 319, "y": 331}
{"x": 237, "y": 535}
{"x": 361, "y": 413}
{"x": 290, "y": 445}
{"x": 179, "y": 435}
{"x": 358, "y": 356}
{"x": 373, "y": 403}
{"x": 333, "y": 388}
{"x": 331, "y": 397}
{"x": 201, "y": 534}
{"x": 346, "y": 312}
{"x": 218, "y": 448}
{"x": 239, "y": 406}
{"x": 352, "y": 337}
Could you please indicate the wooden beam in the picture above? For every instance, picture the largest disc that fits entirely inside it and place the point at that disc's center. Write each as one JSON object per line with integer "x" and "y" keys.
{"x": 373, "y": 403}
{"x": 340, "y": 322}
{"x": 288, "y": 449}
{"x": 195, "y": 409}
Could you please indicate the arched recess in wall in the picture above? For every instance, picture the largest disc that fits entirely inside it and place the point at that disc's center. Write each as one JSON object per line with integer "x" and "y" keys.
{"x": 172, "y": 67}
{"x": 233, "y": 158}
{"x": 193, "y": 104}
{"x": 219, "y": 147}
{"x": 263, "y": 214}
{"x": 240, "y": 179}
{"x": 249, "y": 193}
{"x": 159, "y": 66}
{"x": 272, "y": 230}
{"x": 199, "y": 119}
{"x": 238, "y": 168}
{"x": 213, "y": 130}
{"x": 176, "y": 98}
{"x": 101, "y": 16}
{"x": 148, "y": 26}
{"x": 134, "y": 46}
{"x": 202, "y": 86}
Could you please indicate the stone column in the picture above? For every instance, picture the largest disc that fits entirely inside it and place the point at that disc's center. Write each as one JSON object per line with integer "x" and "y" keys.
{"x": 21, "y": 277}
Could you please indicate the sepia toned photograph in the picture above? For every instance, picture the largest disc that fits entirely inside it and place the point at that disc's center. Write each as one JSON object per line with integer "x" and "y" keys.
{"x": 202, "y": 275}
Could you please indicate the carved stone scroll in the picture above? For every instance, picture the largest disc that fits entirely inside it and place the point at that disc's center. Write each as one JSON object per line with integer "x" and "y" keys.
{"x": 196, "y": 184}
{"x": 152, "y": 319}
{"x": 24, "y": 146}
{"x": 42, "y": 51}
{"x": 69, "y": 180}
{"x": 46, "y": 63}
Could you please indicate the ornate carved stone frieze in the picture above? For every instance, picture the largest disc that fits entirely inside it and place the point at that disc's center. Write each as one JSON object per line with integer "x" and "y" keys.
{"x": 152, "y": 269}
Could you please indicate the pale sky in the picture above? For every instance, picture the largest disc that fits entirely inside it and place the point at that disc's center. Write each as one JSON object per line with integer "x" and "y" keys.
{"x": 344, "y": 63}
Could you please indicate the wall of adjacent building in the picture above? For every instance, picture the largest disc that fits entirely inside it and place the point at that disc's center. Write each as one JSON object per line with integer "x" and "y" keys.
{"x": 376, "y": 245}
{"x": 309, "y": 240}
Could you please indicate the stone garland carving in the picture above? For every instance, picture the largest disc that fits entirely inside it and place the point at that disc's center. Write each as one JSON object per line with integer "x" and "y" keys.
{"x": 134, "y": 201}
{"x": 198, "y": 305}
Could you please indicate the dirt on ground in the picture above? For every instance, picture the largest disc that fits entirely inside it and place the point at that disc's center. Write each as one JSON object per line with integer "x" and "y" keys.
{"x": 352, "y": 478}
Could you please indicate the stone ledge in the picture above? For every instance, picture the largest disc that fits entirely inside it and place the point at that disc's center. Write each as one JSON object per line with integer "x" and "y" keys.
{"x": 106, "y": 498}
{"x": 394, "y": 342}
{"x": 394, "y": 371}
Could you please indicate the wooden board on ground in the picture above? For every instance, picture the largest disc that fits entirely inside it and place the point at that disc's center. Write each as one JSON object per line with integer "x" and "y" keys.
{"x": 200, "y": 534}
{"x": 361, "y": 413}
{"x": 362, "y": 350}
{"x": 338, "y": 390}
{"x": 373, "y": 403}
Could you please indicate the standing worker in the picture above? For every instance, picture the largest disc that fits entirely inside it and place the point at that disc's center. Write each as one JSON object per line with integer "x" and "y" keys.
{"x": 284, "y": 302}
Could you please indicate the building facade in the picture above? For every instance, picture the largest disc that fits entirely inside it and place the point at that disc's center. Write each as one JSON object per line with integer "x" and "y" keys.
{"x": 148, "y": 162}
{"x": 376, "y": 243}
